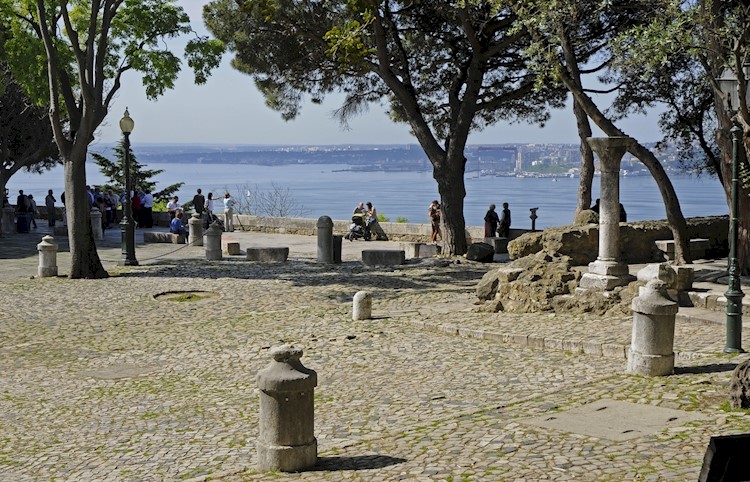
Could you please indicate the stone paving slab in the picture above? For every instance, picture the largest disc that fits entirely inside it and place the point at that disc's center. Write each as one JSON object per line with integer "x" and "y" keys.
{"x": 102, "y": 381}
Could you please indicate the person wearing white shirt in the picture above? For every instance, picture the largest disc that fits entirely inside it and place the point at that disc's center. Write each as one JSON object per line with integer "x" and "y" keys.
{"x": 228, "y": 213}
{"x": 172, "y": 207}
{"x": 148, "y": 207}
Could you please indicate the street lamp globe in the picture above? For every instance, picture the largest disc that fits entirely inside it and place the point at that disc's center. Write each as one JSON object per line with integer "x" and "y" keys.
{"x": 126, "y": 123}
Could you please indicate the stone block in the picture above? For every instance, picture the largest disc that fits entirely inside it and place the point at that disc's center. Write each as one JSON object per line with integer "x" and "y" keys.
{"x": 383, "y": 257}
{"x": 268, "y": 255}
{"x": 233, "y": 248}
{"x": 482, "y": 252}
{"x": 158, "y": 237}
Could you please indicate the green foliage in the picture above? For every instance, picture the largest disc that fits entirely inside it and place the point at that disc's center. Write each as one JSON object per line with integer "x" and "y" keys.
{"x": 402, "y": 219}
{"x": 383, "y": 218}
{"x": 141, "y": 177}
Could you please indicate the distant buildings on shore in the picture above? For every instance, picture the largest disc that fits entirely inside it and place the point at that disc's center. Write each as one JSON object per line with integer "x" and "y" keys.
{"x": 543, "y": 160}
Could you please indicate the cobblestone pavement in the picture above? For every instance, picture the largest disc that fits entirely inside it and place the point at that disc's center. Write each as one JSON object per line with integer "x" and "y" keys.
{"x": 106, "y": 380}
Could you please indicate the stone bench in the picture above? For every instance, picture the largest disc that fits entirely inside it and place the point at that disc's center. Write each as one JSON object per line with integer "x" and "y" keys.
{"x": 419, "y": 250}
{"x": 268, "y": 255}
{"x": 158, "y": 237}
{"x": 500, "y": 244}
{"x": 383, "y": 257}
{"x": 698, "y": 248}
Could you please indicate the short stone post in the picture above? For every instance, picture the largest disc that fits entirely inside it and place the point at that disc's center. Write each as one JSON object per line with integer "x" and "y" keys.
{"x": 325, "y": 240}
{"x": 213, "y": 243}
{"x": 96, "y": 224}
{"x": 9, "y": 220}
{"x": 286, "y": 441}
{"x": 47, "y": 257}
{"x": 195, "y": 230}
{"x": 362, "y": 306}
{"x": 651, "y": 349}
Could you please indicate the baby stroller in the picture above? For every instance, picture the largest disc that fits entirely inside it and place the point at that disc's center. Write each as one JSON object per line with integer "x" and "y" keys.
{"x": 360, "y": 228}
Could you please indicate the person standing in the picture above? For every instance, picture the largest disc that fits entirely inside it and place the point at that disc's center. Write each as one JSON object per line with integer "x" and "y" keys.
{"x": 114, "y": 201}
{"x": 32, "y": 211}
{"x": 434, "y": 213}
{"x": 504, "y": 230}
{"x": 199, "y": 203}
{"x": 209, "y": 209}
{"x": 228, "y": 213}
{"x": 49, "y": 201}
{"x": 148, "y": 209}
{"x": 491, "y": 220}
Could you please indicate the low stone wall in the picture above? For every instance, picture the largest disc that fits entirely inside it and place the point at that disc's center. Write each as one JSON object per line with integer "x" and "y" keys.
{"x": 394, "y": 231}
{"x": 637, "y": 240}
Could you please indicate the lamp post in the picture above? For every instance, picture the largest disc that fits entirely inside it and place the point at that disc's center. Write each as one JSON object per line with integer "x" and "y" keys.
{"x": 729, "y": 85}
{"x": 127, "y": 226}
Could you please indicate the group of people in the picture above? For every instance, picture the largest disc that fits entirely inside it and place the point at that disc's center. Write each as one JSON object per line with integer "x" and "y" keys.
{"x": 623, "y": 214}
{"x": 497, "y": 223}
{"x": 205, "y": 207}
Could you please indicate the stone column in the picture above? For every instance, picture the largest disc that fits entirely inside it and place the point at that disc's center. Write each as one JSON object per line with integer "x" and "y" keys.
{"x": 608, "y": 271}
{"x": 47, "y": 257}
{"x": 213, "y": 243}
{"x": 362, "y": 306}
{"x": 96, "y": 224}
{"x": 195, "y": 230}
{"x": 286, "y": 441}
{"x": 325, "y": 240}
{"x": 9, "y": 220}
{"x": 651, "y": 349}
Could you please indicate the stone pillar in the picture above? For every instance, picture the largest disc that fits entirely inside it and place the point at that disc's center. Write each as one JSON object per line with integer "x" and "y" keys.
{"x": 213, "y": 242}
{"x": 286, "y": 441}
{"x": 362, "y": 306}
{"x": 96, "y": 224}
{"x": 9, "y": 220}
{"x": 325, "y": 240}
{"x": 337, "y": 241}
{"x": 651, "y": 349}
{"x": 608, "y": 272}
{"x": 195, "y": 230}
{"x": 47, "y": 257}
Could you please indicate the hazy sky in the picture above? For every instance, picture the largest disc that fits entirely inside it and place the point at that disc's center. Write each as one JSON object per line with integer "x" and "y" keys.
{"x": 229, "y": 109}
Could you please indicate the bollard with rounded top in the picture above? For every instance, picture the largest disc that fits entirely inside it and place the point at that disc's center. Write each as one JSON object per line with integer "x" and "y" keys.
{"x": 47, "y": 257}
{"x": 651, "y": 349}
{"x": 96, "y": 224}
{"x": 195, "y": 230}
{"x": 362, "y": 306}
{"x": 286, "y": 441}
{"x": 325, "y": 240}
{"x": 213, "y": 242}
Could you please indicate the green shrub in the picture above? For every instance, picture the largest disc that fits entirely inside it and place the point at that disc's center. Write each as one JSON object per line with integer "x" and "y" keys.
{"x": 401, "y": 219}
{"x": 383, "y": 219}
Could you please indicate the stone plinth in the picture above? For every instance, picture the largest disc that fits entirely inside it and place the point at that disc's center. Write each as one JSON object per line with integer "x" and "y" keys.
{"x": 195, "y": 230}
{"x": 96, "y": 224}
{"x": 362, "y": 306}
{"x": 325, "y": 240}
{"x": 213, "y": 243}
{"x": 286, "y": 441}
{"x": 9, "y": 220}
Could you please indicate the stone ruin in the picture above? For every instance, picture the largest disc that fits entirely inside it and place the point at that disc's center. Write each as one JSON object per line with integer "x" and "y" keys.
{"x": 739, "y": 389}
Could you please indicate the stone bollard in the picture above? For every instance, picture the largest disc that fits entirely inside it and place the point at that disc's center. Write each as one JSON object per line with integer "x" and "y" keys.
{"x": 96, "y": 224}
{"x": 47, "y": 257}
{"x": 9, "y": 220}
{"x": 213, "y": 242}
{"x": 325, "y": 240}
{"x": 651, "y": 349}
{"x": 286, "y": 441}
{"x": 362, "y": 306}
{"x": 195, "y": 230}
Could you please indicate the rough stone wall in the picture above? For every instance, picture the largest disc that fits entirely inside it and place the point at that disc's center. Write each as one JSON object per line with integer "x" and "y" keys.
{"x": 637, "y": 240}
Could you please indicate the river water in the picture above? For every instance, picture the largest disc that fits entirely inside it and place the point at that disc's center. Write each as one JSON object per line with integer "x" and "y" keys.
{"x": 334, "y": 190}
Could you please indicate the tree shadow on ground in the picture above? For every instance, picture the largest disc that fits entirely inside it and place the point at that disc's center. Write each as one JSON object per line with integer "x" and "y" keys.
{"x": 711, "y": 368}
{"x": 427, "y": 273}
{"x": 356, "y": 462}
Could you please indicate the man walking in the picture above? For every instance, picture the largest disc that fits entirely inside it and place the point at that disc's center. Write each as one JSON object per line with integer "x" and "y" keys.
{"x": 49, "y": 201}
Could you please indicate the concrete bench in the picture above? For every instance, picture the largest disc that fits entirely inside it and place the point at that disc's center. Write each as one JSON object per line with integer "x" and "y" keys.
{"x": 383, "y": 257}
{"x": 268, "y": 255}
{"x": 500, "y": 244}
{"x": 419, "y": 250}
{"x": 158, "y": 237}
{"x": 698, "y": 248}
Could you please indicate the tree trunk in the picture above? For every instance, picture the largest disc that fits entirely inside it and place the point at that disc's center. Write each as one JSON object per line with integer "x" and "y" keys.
{"x": 449, "y": 174}
{"x": 586, "y": 176}
{"x": 84, "y": 259}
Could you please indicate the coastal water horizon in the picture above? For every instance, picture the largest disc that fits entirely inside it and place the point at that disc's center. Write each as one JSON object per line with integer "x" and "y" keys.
{"x": 335, "y": 189}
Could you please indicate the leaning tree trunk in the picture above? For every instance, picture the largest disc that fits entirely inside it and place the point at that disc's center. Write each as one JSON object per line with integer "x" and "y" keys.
{"x": 586, "y": 177}
{"x": 84, "y": 259}
{"x": 449, "y": 175}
